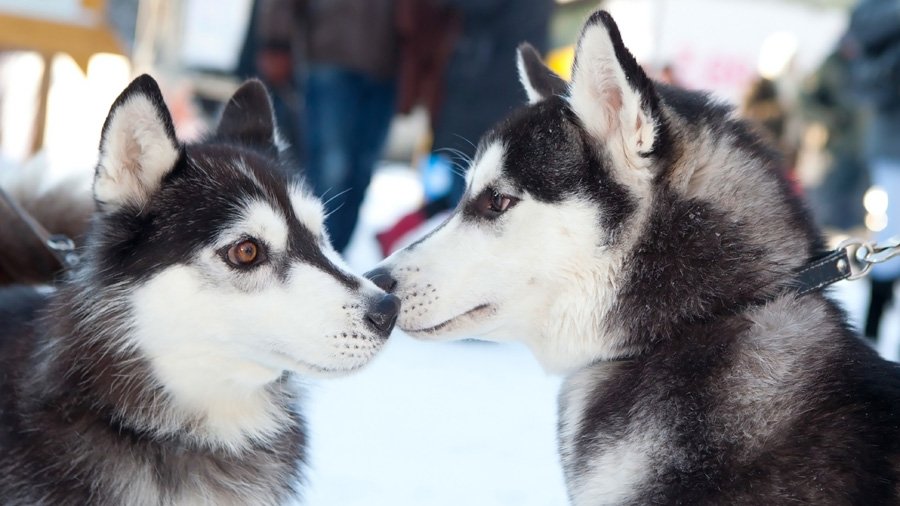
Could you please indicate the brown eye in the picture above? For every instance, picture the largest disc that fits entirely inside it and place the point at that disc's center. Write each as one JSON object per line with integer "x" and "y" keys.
{"x": 492, "y": 203}
{"x": 500, "y": 203}
{"x": 243, "y": 254}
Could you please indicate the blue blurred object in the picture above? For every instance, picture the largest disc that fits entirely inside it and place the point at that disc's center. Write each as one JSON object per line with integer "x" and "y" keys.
{"x": 437, "y": 176}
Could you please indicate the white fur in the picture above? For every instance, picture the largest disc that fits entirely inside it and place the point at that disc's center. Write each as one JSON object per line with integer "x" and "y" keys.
{"x": 534, "y": 96}
{"x": 135, "y": 154}
{"x": 216, "y": 337}
{"x": 486, "y": 169}
{"x": 309, "y": 210}
{"x": 613, "y": 474}
{"x": 538, "y": 273}
{"x": 262, "y": 221}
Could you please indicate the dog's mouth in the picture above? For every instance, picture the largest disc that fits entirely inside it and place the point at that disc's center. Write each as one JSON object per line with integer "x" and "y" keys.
{"x": 473, "y": 315}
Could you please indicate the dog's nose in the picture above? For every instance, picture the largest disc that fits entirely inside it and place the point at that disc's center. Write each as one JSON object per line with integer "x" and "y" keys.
{"x": 382, "y": 315}
{"x": 382, "y": 279}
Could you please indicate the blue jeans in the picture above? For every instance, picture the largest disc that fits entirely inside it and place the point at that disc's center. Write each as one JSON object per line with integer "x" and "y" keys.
{"x": 348, "y": 115}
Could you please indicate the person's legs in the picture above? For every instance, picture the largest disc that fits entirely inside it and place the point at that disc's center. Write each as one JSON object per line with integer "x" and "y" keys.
{"x": 886, "y": 175}
{"x": 882, "y": 293}
{"x": 331, "y": 110}
{"x": 373, "y": 118}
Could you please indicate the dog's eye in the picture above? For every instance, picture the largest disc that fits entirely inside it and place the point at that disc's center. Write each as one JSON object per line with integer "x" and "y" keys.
{"x": 245, "y": 253}
{"x": 493, "y": 203}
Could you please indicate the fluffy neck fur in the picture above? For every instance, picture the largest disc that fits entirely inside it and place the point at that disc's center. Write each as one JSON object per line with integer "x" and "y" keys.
{"x": 701, "y": 254}
{"x": 84, "y": 378}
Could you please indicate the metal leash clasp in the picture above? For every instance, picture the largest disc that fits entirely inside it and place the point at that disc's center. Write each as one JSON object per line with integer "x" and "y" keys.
{"x": 857, "y": 252}
{"x": 864, "y": 254}
{"x": 64, "y": 248}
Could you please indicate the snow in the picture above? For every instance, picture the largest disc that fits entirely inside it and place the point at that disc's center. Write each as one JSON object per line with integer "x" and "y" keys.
{"x": 452, "y": 423}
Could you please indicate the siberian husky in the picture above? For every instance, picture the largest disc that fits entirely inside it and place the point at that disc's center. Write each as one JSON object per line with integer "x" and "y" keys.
{"x": 641, "y": 240}
{"x": 162, "y": 371}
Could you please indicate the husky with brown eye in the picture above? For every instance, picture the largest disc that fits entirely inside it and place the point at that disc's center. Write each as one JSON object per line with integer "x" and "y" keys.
{"x": 642, "y": 241}
{"x": 165, "y": 369}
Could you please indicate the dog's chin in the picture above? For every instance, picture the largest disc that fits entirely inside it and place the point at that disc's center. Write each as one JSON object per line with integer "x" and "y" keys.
{"x": 461, "y": 325}
{"x": 317, "y": 371}
{"x": 334, "y": 369}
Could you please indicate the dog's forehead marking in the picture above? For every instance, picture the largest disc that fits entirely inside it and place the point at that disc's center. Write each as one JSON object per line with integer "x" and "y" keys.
{"x": 308, "y": 209}
{"x": 263, "y": 221}
{"x": 487, "y": 168}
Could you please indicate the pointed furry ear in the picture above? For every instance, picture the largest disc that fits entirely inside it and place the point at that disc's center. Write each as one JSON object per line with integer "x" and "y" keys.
{"x": 248, "y": 117}
{"x": 538, "y": 80}
{"x": 137, "y": 146}
{"x": 610, "y": 92}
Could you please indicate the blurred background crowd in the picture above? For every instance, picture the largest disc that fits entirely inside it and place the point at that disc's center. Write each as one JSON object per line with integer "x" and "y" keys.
{"x": 368, "y": 89}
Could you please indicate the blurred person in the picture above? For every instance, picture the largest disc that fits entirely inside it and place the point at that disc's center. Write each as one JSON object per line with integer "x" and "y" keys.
{"x": 269, "y": 58}
{"x": 763, "y": 106}
{"x": 480, "y": 88}
{"x": 874, "y": 33}
{"x": 349, "y": 51}
{"x": 668, "y": 75}
{"x": 827, "y": 100}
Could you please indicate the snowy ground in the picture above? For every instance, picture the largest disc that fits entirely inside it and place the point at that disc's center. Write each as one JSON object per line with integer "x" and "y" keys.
{"x": 433, "y": 424}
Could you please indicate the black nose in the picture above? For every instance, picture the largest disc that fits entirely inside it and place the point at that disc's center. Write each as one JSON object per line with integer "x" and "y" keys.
{"x": 382, "y": 279}
{"x": 382, "y": 315}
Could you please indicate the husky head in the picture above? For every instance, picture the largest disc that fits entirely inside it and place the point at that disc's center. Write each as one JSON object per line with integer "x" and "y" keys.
{"x": 602, "y": 216}
{"x": 207, "y": 265}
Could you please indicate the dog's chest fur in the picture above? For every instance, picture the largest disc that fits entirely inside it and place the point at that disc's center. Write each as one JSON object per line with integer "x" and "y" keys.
{"x": 63, "y": 444}
{"x": 780, "y": 403}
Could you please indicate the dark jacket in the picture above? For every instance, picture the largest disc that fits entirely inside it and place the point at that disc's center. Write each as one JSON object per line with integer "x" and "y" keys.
{"x": 358, "y": 35}
{"x": 875, "y": 29}
{"x": 481, "y": 81}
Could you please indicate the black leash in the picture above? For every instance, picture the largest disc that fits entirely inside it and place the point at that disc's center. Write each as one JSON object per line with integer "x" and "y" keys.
{"x": 60, "y": 246}
{"x": 852, "y": 259}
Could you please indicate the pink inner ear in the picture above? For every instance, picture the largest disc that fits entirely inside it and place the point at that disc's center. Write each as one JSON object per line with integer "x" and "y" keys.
{"x": 638, "y": 123}
{"x": 614, "y": 99}
{"x": 610, "y": 99}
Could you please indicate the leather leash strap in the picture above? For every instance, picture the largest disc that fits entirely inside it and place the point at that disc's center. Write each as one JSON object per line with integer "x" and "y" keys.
{"x": 852, "y": 259}
{"x": 60, "y": 246}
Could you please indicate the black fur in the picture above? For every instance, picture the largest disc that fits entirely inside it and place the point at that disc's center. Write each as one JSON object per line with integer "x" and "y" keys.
{"x": 241, "y": 123}
{"x": 542, "y": 79}
{"x": 550, "y": 156}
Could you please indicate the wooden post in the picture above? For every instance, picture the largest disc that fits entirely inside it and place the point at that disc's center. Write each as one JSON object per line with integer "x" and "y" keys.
{"x": 40, "y": 117}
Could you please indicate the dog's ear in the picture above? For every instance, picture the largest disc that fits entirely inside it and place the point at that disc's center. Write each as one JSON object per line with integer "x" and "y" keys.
{"x": 137, "y": 146}
{"x": 538, "y": 80}
{"x": 248, "y": 118}
{"x": 611, "y": 94}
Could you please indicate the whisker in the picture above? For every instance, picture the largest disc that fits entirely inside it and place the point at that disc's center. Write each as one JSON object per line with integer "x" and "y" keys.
{"x": 325, "y": 203}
